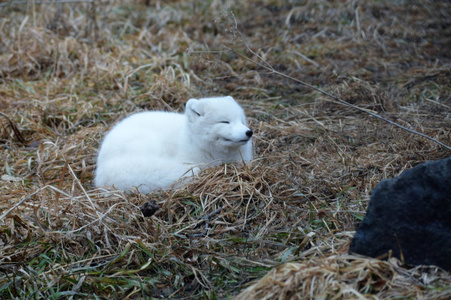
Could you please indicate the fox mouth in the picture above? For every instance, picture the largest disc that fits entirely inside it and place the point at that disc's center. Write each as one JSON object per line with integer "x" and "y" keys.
{"x": 243, "y": 141}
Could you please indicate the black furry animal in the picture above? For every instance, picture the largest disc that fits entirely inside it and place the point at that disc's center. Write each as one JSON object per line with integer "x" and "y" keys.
{"x": 410, "y": 213}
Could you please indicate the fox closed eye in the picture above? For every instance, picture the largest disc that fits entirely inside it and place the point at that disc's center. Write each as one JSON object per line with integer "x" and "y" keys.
{"x": 225, "y": 122}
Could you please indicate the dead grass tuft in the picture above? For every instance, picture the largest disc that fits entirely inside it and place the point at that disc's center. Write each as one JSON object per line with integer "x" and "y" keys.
{"x": 365, "y": 95}
{"x": 345, "y": 277}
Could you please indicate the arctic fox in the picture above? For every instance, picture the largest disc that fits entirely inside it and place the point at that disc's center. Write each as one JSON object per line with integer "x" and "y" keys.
{"x": 152, "y": 150}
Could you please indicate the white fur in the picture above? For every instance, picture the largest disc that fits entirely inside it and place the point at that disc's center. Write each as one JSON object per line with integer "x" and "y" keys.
{"x": 152, "y": 150}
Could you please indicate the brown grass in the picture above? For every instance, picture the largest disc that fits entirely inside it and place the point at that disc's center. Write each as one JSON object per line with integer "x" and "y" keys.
{"x": 70, "y": 71}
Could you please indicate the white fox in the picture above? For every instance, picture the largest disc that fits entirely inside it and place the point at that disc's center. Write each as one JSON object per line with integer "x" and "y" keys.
{"x": 152, "y": 150}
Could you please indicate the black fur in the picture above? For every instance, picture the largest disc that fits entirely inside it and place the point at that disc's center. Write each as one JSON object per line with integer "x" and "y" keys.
{"x": 411, "y": 212}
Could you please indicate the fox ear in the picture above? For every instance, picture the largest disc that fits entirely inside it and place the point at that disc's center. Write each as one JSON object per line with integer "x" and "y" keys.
{"x": 194, "y": 108}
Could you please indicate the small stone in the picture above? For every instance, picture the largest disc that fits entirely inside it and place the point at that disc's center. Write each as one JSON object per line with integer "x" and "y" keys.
{"x": 149, "y": 208}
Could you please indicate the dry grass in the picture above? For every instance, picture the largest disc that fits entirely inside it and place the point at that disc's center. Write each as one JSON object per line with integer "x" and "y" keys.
{"x": 70, "y": 71}
{"x": 347, "y": 277}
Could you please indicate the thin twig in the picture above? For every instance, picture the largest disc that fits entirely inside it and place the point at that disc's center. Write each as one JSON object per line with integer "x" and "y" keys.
{"x": 6, "y": 213}
{"x": 268, "y": 67}
{"x": 14, "y": 128}
{"x": 213, "y": 213}
{"x": 207, "y": 223}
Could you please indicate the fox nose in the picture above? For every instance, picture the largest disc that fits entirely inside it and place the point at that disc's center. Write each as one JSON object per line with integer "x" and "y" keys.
{"x": 249, "y": 133}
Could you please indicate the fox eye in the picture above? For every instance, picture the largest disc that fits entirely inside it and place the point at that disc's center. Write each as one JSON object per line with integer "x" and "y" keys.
{"x": 225, "y": 122}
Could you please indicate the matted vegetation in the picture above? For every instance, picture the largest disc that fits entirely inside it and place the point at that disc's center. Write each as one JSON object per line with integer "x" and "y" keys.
{"x": 69, "y": 71}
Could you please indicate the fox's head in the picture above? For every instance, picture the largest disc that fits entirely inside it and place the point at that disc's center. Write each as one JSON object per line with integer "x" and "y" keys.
{"x": 218, "y": 122}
